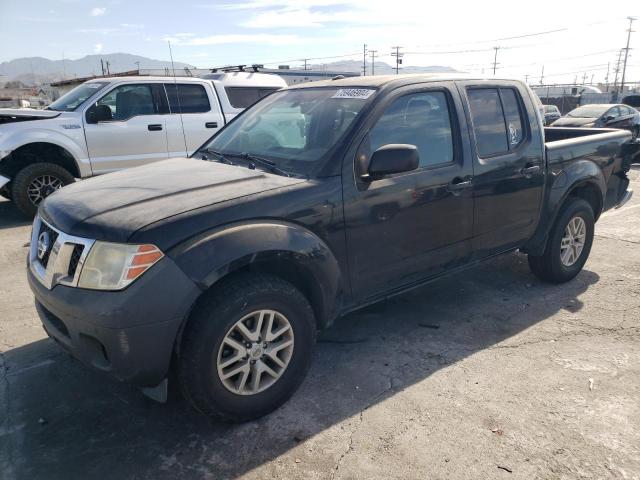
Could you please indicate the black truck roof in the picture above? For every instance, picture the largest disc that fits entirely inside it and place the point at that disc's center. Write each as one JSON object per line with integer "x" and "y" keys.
{"x": 377, "y": 81}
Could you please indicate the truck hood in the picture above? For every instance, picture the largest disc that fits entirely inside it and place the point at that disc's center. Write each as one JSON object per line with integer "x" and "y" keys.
{"x": 573, "y": 122}
{"x": 9, "y": 115}
{"x": 114, "y": 206}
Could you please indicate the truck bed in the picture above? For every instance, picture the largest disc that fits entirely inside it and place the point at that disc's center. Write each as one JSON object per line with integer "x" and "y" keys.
{"x": 611, "y": 149}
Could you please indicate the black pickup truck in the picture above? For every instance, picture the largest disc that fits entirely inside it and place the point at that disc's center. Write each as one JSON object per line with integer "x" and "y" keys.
{"x": 217, "y": 270}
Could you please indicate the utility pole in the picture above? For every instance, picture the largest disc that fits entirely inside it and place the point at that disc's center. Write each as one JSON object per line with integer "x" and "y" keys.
{"x": 364, "y": 60}
{"x": 617, "y": 70}
{"x": 108, "y": 64}
{"x": 542, "y": 76}
{"x": 305, "y": 62}
{"x": 102, "y": 66}
{"x": 495, "y": 59}
{"x": 606, "y": 78}
{"x": 398, "y": 56}
{"x": 526, "y": 79}
{"x": 584, "y": 78}
{"x": 137, "y": 66}
{"x": 626, "y": 53}
{"x": 373, "y": 61}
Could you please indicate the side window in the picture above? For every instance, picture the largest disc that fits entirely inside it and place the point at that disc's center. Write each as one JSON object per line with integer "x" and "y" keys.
{"x": 128, "y": 101}
{"x": 187, "y": 98}
{"x": 512, "y": 116}
{"x": 497, "y": 120}
{"x": 242, "y": 97}
{"x": 614, "y": 112}
{"x": 488, "y": 121}
{"x": 420, "y": 119}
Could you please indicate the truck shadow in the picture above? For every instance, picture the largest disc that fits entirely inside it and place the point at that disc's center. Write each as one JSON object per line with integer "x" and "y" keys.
{"x": 66, "y": 421}
{"x": 10, "y": 216}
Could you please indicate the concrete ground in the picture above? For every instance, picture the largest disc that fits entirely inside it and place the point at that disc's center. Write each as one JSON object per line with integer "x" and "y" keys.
{"x": 487, "y": 374}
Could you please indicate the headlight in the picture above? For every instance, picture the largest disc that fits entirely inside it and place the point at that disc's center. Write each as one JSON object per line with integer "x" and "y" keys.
{"x": 113, "y": 266}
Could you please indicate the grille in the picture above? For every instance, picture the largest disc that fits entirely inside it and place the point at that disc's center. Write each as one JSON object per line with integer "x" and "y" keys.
{"x": 53, "y": 236}
{"x": 75, "y": 259}
{"x": 62, "y": 259}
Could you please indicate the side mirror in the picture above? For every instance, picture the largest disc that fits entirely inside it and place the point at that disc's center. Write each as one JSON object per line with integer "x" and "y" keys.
{"x": 98, "y": 113}
{"x": 392, "y": 158}
{"x": 607, "y": 119}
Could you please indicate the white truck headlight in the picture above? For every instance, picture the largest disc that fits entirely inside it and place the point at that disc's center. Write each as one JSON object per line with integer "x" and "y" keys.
{"x": 113, "y": 266}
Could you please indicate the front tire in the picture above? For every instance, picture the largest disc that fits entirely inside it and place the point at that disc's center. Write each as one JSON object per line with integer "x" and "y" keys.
{"x": 35, "y": 182}
{"x": 246, "y": 347}
{"x": 568, "y": 245}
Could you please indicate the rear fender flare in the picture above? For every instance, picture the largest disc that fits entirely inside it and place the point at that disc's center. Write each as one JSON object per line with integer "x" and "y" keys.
{"x": 575, "y": 175}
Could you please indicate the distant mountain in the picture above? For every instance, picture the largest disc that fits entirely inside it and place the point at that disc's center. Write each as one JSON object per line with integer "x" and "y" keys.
{"x": 381, "y": 68}
{"x": 38, "y": 70}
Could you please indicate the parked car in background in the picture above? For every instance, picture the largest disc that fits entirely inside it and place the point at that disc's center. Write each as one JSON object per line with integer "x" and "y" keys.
{"x": 551, "y": 114}
{"x": 318, "y": 200}
{"x": 109, "y": 124}
{"x": 632, "y": 100}
{"x": 602, "y": 115}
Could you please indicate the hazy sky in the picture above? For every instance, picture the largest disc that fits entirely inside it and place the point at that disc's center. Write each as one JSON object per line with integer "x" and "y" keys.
{"x": 583, "y": 36}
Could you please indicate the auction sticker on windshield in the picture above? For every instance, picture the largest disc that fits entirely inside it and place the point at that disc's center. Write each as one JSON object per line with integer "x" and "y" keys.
{"x": 362, "y": 93}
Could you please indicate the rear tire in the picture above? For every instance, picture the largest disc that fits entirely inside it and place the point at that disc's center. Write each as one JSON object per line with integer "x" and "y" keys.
{"x": 205, "y": 357}
{"x": 35, "y": 182}
{"x": 562, "y": 260}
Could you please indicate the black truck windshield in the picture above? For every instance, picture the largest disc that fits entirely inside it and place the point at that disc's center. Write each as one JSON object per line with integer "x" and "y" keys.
{"x": 295, "y": 129}
{"x": 76, "y": 97}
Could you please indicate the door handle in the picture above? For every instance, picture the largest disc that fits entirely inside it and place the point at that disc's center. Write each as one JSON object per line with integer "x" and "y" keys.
{"x": 154, "y": 127}
{"x": 528, "y": 171}
{"x": 457, "y": 185}
{"x": 211, "y": 125}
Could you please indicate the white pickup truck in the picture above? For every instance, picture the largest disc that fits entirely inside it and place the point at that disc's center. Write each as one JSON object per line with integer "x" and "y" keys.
{"x": 108, "y": 124}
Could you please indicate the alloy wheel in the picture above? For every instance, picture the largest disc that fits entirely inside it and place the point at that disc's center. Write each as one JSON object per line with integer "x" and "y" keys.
{"x": 572, "y": 242}
{"x": 41, "y": 187}
{"x": 255, "y": 352}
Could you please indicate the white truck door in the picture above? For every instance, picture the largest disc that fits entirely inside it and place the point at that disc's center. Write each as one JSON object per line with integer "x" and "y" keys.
{"x": 201, "y": 116}
{"x": 135, "y": 134}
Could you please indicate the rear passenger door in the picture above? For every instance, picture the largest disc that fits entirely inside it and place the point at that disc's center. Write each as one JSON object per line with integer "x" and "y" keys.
{"x": 509, "y": 168}
{"x": 194, "y": 116}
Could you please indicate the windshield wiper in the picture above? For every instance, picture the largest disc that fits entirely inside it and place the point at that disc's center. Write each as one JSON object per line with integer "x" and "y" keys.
{"x": 220, "y": 155}
{"x": 255, "y": 159}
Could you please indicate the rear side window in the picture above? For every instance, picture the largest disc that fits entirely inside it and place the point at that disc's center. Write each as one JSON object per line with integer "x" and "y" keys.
{"x": 420, "y": 119}
{"x": 187, "y": 98}
{"x": 512, "y": 116}
{"x": 497, "y": 120}
{"x": 243, "y": 97}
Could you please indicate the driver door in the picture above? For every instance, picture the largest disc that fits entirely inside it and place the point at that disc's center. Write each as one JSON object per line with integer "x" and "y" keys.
{"x": 135, "y": 134}
{"x": 406, "y": 227}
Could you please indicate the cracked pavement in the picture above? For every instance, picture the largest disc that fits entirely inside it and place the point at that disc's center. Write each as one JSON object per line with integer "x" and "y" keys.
{"x": 485, "y": 374}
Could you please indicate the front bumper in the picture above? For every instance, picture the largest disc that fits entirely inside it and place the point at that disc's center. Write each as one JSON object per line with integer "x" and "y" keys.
{"x": 129, "y": 333}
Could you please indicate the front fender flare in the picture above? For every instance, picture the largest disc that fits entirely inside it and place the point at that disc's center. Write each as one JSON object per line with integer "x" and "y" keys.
{"x": 214, "y": 254}
{"x": 13, "y": 142}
